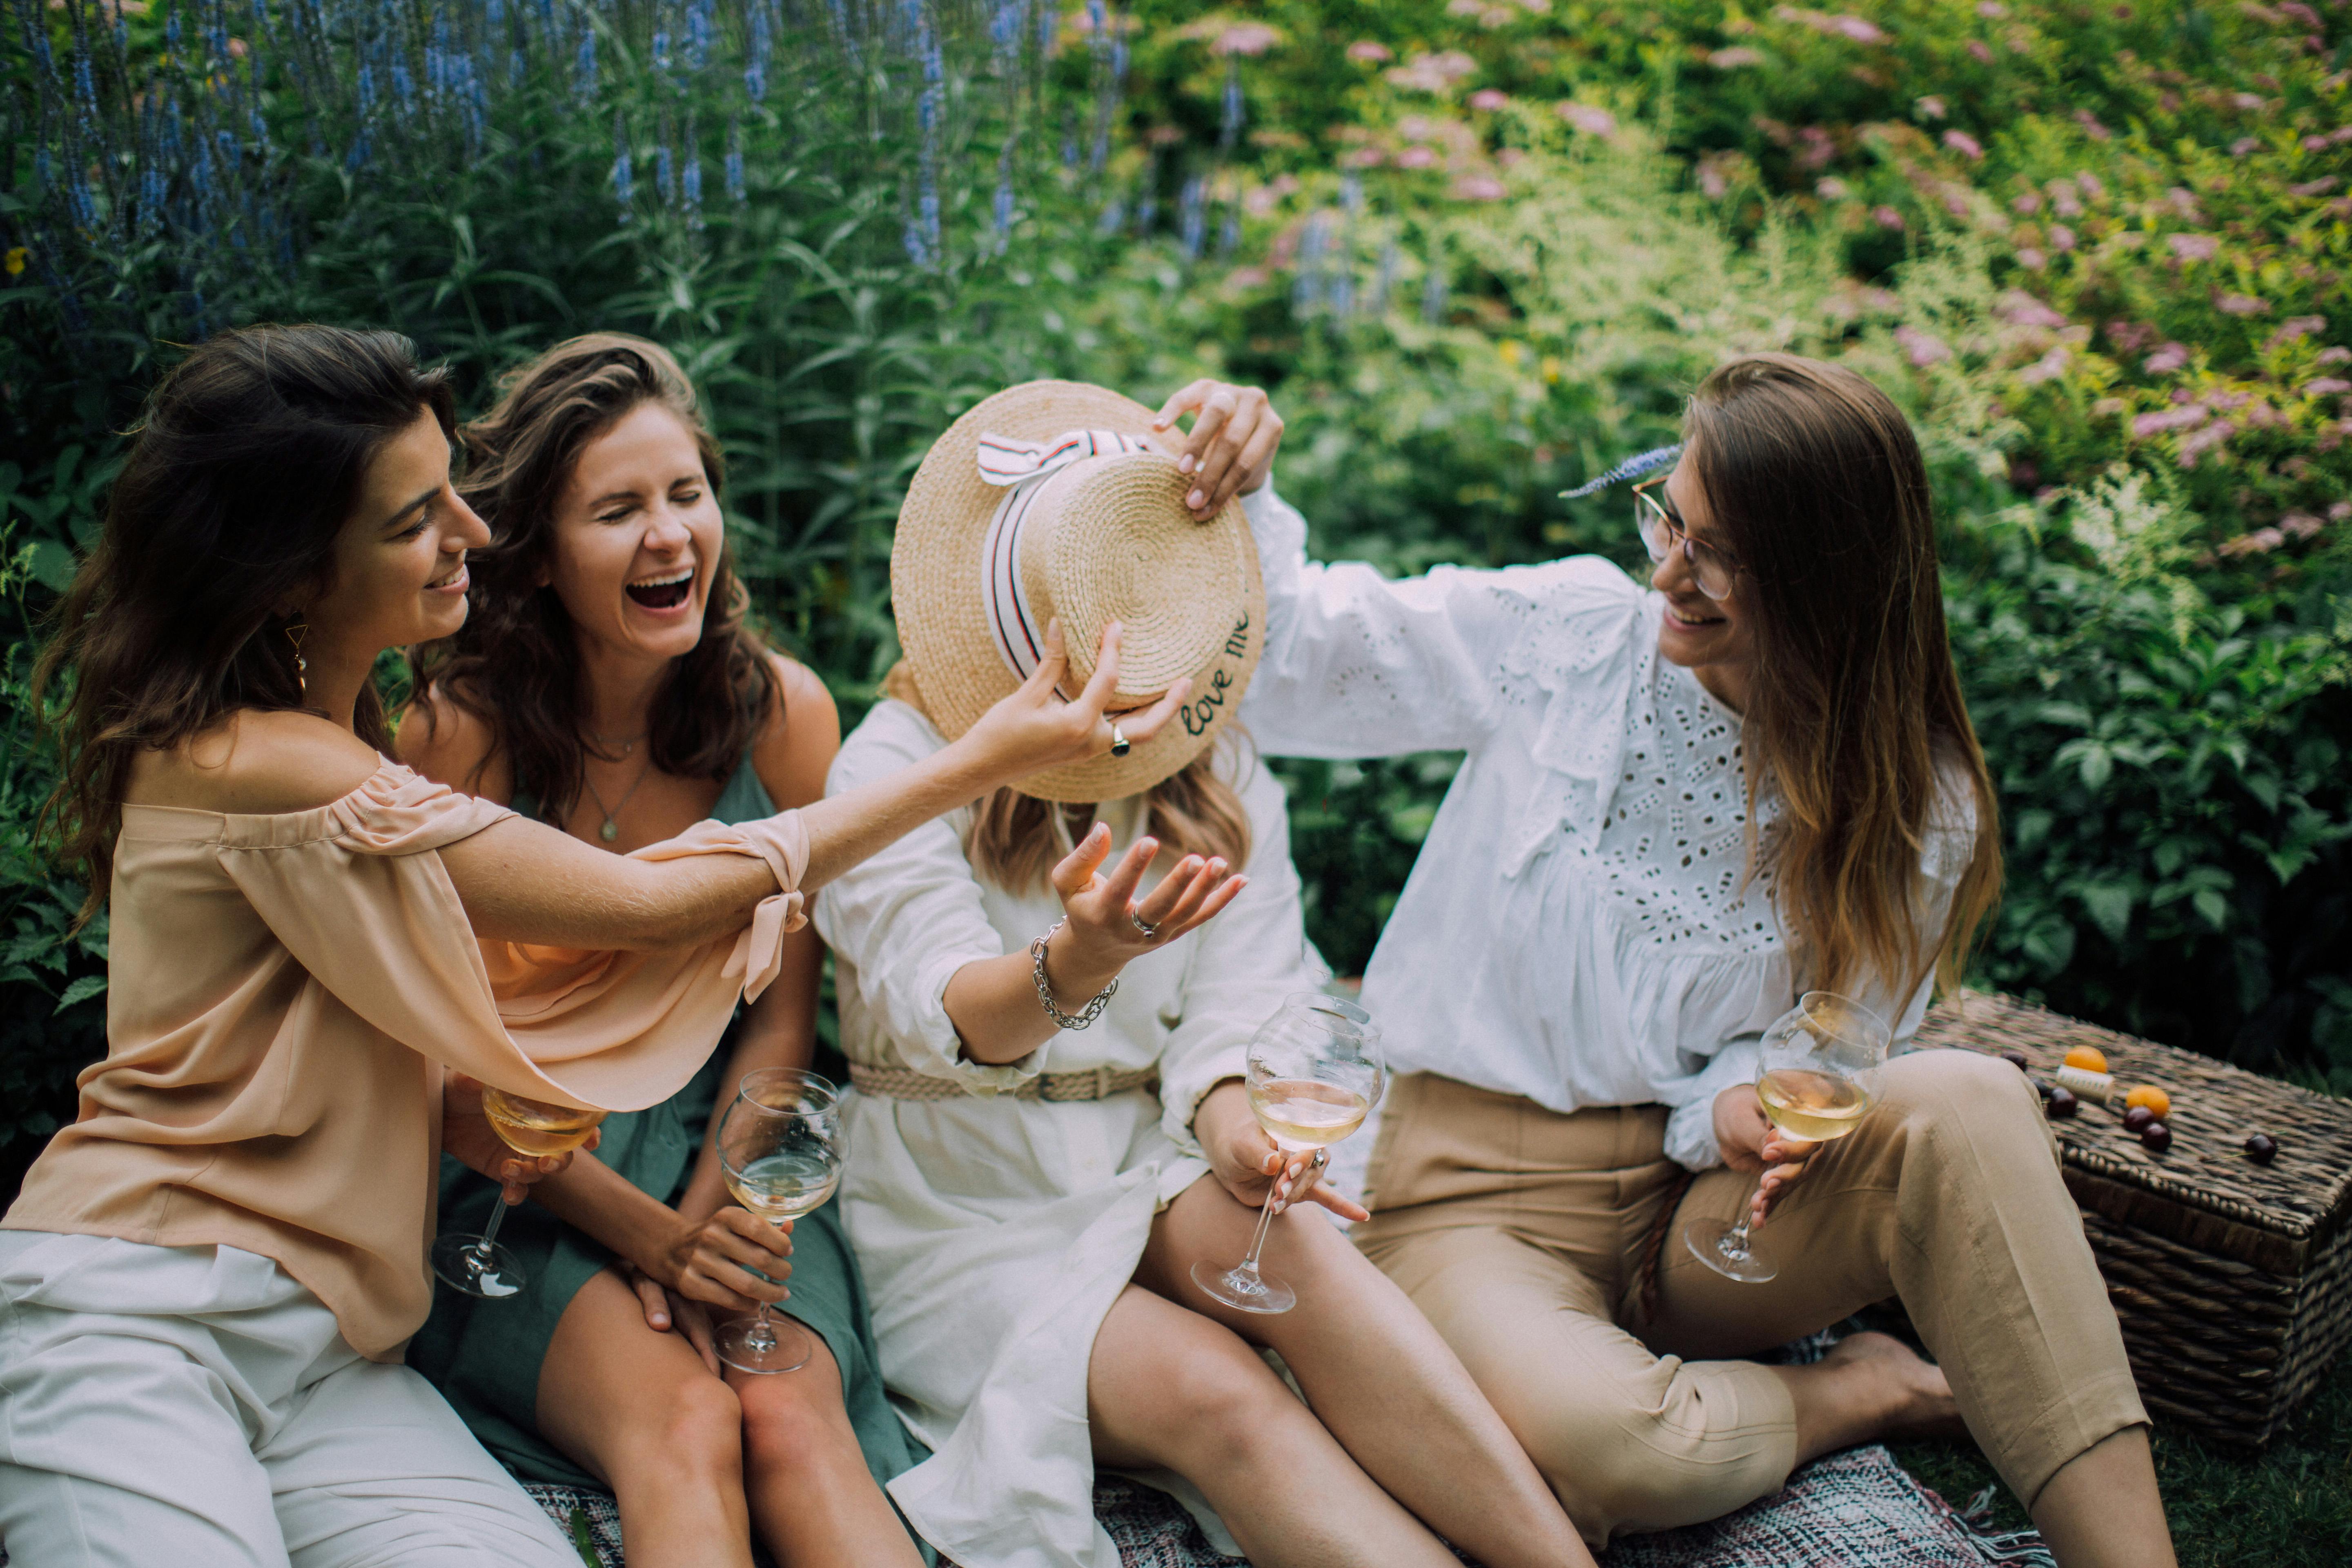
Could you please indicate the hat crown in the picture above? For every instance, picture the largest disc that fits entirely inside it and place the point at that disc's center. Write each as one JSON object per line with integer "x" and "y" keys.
{"x": 1108, "y": 540}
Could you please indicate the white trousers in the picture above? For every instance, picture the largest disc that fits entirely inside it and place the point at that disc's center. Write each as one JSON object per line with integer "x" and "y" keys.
{"x": 196, "y": 1407}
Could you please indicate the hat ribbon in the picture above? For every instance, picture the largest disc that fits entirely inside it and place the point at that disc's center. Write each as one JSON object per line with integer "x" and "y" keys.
{"x": 1024, "y": 466}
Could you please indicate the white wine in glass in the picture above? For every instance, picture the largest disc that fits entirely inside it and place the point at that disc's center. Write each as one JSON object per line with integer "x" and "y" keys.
{"x": 1817, "y": 1069}
{"x": 1315, "y": 1073}
{"x": 478, "y": 1265}
{"x": 782, "y": 1147}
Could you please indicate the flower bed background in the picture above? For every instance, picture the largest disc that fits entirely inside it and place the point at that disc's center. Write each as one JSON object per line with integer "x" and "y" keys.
{"x": 1478, "y": 251}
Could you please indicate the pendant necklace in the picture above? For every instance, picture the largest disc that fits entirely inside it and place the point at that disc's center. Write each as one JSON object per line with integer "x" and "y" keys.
{"x": 606, "y": 742}
{"x": 612, "y": 828}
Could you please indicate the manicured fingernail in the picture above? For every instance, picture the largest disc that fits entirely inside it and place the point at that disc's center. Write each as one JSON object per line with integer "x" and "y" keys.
{"x": 660, "y": 1322}
{"x": 1185, "y": 465}
{"x": 1194, "y": 500}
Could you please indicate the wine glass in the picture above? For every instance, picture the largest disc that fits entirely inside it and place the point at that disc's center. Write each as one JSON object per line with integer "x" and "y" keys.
{"x": 1818, "y": 1066}
{"x": 478, "y": 1265}
{"x": 1315, "y": 1073}
{"x": 782, "y": 1149}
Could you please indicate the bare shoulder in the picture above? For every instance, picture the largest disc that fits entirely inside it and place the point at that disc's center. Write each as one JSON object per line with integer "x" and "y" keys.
{"x": 451, "y": 743}
{"x": 797, "y": 743}
{"x": 256, "y": 764}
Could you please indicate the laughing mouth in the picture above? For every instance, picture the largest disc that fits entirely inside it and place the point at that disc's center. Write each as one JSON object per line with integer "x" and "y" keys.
{"x": 665, "y": 591}
{"x": 1684, "y": 618}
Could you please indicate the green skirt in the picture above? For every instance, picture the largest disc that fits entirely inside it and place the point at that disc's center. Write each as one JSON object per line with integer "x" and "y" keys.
{"x": 484, "y": 1355}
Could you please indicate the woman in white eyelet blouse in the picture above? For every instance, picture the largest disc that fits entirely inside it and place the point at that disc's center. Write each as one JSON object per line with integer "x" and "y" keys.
{"x": 1573, "y": 981}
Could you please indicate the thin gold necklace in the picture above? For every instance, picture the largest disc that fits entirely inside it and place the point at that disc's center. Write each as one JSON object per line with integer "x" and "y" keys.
{"x": 612, "y": 828}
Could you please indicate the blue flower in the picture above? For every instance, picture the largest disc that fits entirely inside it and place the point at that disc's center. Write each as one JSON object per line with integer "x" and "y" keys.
{"x": 1192, "y": 217}
{"x": 735, "y": 159}
{"x": 1433, "y": 293}
{"x": 584, "y": 66}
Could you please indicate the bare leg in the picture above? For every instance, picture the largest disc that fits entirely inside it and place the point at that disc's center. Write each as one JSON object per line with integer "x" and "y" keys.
{"x": 2101, "y": 1510}
{"x": 639, "y": 1410}
{"x": 811, "y": 1496}
{"x": 1168, "y": 1388}
{"x": 1381, "y": 1379}
{"x": 1869, "y": 1389}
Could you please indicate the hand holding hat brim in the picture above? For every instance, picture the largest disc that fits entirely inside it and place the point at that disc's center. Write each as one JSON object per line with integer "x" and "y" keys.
{"x": 1230, "y": 451}
{"x": 1035, "y": 728}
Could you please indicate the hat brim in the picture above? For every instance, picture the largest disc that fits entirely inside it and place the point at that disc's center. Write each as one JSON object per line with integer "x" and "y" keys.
{"x": 935, "y": 590}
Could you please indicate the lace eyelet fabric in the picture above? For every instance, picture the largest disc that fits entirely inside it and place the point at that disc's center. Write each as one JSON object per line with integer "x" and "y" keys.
{"x": 1672, "y": 854}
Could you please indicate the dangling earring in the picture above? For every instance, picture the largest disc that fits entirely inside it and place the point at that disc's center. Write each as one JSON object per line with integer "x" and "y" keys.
{"x": 301, "y": 665}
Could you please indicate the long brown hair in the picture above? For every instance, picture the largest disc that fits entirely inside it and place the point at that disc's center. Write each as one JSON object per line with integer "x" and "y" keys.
{"x": 1197, "y": 812}
{"x": 1854, "y": 715}
{"x": 247, "y": 466}
{"x": 515, "y": 664}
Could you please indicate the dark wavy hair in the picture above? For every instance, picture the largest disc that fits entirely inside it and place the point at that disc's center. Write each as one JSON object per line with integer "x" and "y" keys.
{"x": 1854, "y": 715}
{"x": 245, "y": 467}
{"x": 515, "y": 664}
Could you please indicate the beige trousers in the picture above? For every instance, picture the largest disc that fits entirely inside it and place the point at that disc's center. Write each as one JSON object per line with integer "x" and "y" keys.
{"x": 1526, "y": 1236}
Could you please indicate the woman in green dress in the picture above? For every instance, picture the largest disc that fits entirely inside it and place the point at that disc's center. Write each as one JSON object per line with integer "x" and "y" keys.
{"x": 606, "y": 684}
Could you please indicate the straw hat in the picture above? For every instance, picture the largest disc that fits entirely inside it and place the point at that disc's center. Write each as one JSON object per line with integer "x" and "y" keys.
{"x": 1052, "y": 500}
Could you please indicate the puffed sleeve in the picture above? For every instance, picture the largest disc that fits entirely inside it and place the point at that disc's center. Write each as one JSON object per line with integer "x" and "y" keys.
{"x": 1358, "y": 666}
{"x": 911, "y": 915}
{"x": 1243, "y": 963}
{"x": 369, "y": 910}
{"x": 1690, "y": 1128}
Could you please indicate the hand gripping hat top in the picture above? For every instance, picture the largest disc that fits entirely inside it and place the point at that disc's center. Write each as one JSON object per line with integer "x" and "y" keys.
{"x": 1051, "y": 500}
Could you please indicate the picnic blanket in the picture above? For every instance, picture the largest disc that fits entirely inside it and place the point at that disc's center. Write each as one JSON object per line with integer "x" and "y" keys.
{"x": 1858, "y": 1508}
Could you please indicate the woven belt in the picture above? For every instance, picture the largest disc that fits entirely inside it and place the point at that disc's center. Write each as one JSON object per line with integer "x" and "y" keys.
{"x": 1098, "y": 1083}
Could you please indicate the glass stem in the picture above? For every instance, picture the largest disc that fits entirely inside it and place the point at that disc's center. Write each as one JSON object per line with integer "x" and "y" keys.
{"x": 1257, "y": 1243}
{"x": 1735, "y": 1240}
{"x": 490, "y": 1231}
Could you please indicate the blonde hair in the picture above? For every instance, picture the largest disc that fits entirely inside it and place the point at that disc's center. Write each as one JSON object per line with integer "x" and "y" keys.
{"x": 1014, "y": 840}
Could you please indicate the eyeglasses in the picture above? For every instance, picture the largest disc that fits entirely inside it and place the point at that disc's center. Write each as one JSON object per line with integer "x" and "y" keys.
{"x": 1713, "y": 571}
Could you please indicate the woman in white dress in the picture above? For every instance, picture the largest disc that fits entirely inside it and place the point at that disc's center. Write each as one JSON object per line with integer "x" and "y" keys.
{"x": 1023, "y": 1205}
{"x": 1593, "y": 895}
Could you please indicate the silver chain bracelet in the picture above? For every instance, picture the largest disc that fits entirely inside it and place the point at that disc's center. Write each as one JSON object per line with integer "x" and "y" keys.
{"x": 1086, "y": 1015}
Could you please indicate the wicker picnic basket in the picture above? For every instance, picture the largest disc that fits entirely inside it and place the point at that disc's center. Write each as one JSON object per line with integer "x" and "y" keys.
{"x": 2233, "y": 1280}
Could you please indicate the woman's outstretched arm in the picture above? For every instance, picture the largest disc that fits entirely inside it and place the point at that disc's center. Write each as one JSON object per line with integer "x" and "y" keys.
{"x": 524, "y": 883}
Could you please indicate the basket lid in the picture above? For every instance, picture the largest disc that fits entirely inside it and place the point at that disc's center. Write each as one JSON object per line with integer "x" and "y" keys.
{"x": 2304, "y": 1196}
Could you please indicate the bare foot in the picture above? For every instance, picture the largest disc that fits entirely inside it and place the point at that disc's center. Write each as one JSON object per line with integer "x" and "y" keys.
{"x": 1869, "y": 1388}
{"x": 1920, "y": 1403}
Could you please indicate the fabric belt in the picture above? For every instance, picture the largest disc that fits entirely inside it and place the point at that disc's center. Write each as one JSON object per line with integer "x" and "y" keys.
{"x": 1098, "y": 1083}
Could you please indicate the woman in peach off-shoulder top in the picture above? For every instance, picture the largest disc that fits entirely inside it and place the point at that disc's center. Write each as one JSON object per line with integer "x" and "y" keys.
{"x": 208, "y": 1278}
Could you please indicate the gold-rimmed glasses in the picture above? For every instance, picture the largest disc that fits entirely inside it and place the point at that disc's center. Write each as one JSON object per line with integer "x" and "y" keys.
{"x": 1713, "y": 571}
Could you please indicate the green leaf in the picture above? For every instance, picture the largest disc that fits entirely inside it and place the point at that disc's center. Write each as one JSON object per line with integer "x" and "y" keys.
{"x": 2109, "y": 905}
{"x": 53, "y": 566}
{"x": 81, "y": 990}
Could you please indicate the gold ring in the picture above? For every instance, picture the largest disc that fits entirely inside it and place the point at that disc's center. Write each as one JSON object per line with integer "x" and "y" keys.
{"x": 1120, "y": 744}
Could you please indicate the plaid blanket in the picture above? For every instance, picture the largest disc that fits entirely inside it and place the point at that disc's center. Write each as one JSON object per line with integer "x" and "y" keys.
{"x": 1854, "y": 1509}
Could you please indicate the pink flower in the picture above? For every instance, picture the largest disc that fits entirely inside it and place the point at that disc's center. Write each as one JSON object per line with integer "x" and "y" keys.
{"x": 2319, "y": 187}
{"x": 1992, "y": 10}
{"x": 2091, "y": 186}
{"x": 1487, "y": 99}
{"x": 2061, "y": 238}
{"x": 2339, "y": 511}
{"x": 2335, "y": 356}
{"x": 2019, "y": 309}
{"x": 1859, "y": 30}
{"x": 1960, "y": 141}
{"x": 1245, "y": 38}
{"x": 2143, "y": 426}
{"x": 2130, "y": 336}
{"x": 1590, "y": 121}
{"x": 1362, "y": 158}
{"x": 2027, "y": 205}
{"x": 2316, "y": 143}
{"x": 2047, "y": 368}
{"x": 1734, "y": 58}
{"x": 2301, "y": 13}
{"x": 1417, "y": 158}
{"x": 2296, "y": 327}
{"x": 2166, "y": 360}
{"x": 1434, "y": 73}
{"x": 1981, "y": 50}
{"x": 2239, "y": 305}
{"x": 2193, "y": 246}
{"x": 2300, "y": 525}
{"x": 2243, "y": 145}
{"x": 1479, "y": 188}
{"x": 1887, "y": 218}
{"x": 2032, "y": 260}
{"x": 1919, "y": 348}
{"x": 1931, "y": 108}
{"x": 2260, "y": 541}
{"x": 2197, "y": 443}
{"x": 2091, "y": 126}
{"x": 2325, "y": 385}
{"x": 1832, "y": 189}
{"x": 2251, "y": 102}
{"x": 1365, "y": 52}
